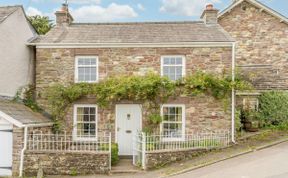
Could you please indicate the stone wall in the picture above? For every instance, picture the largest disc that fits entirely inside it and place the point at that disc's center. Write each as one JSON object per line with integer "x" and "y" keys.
{"x": 202, "y": 113}
{"x": 65, "y": 163}
{"x": 159, "y": 159}
{"x": 57, "y": 65}
{"x": 262, "y": 45}
{"x": 18, "y": 140}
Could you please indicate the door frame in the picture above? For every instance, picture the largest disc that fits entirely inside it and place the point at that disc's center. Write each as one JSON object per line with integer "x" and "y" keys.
{"x": 116, "y": 120}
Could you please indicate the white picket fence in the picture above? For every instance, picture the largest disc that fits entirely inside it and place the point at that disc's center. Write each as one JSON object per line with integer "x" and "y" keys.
{"x": 153, "y": 143}
{"x": 67, "y": 143}
{"x": 64, "y": 142}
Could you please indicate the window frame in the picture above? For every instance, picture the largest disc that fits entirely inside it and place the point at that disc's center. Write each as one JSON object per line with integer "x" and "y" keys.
{"x": 182, "y": 138}
{"x": 75, "y": 122}
{"x": 246, "y": 100}
{"x": 76, "y": 72}
{"x": 174, "y": 56}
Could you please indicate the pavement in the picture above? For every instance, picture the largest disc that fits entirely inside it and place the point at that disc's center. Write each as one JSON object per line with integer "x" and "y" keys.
{"x": 267, "y": 163}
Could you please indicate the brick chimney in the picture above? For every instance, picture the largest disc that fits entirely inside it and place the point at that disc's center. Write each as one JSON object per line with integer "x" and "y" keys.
{"x": 209, "y": 15}
{"x": 63, "y": 17}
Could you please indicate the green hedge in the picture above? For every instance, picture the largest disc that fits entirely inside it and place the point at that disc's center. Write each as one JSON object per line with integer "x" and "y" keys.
{"x": 273, "y": 108}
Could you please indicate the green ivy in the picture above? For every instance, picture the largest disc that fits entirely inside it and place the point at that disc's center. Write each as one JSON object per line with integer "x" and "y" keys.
{"x": 151, "y": 88}
{"x": 26, "y": 95}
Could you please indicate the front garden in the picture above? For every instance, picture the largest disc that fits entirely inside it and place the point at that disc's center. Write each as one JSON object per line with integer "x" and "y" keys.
{"x": 270, "y": 112}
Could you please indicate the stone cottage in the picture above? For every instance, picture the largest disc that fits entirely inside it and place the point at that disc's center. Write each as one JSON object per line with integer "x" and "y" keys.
{"x": 261, "y": 35}
{"x": 247, "y": 33}
{"x": 92, "y": 52}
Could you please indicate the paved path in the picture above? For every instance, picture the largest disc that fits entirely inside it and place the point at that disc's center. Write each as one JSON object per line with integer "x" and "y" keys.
{"x": 268, "y": 163}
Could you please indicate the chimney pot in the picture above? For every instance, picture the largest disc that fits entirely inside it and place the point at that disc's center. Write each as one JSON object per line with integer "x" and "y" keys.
{"x": 64, "y": 7}
{"x": 209, "y": 6}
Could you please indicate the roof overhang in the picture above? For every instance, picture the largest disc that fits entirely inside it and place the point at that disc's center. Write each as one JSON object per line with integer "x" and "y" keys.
{"x": 257, "y": 4}
{"x": 133, "y": 45}
{"x": 22, "y": 125}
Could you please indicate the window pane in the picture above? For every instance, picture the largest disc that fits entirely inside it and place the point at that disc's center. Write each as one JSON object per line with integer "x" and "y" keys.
{"x": 86, "y": 110}
{"x": 80, "y": 110}
{"x": 173, "y": 61}
{"x": 92, "y": 129}
{"x": 172, "y": 110}
{"x": 165, "y": 70}
{"x": 87, "y": 61}
{"x": 178, "y": 60}
{"x": 166, "y": 61}
{"x": 81, "y": 61}
{"x": 92, "y": 117}
{"x": 178, "y": 110}
{"x": 80, "y": 118}
{"x": 166, "y": 117}
{"x": 93, "y": 61}
{"x": 171, "y": 117}
{"x": 179, "y": 70}
{"x": 86, "y": 118}
{"x": 92, "y": 110}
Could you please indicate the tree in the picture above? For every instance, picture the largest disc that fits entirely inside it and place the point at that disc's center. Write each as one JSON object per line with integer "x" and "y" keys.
{"x": 42, "y": 24}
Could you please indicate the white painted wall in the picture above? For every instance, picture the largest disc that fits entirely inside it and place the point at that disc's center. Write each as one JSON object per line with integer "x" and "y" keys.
{"x": 16, "y": 59}
{"x": 6, "y": 147}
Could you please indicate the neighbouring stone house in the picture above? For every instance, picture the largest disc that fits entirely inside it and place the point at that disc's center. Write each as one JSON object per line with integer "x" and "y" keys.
{"x": 261, "y": 36}
{"x": 91, "y": 52}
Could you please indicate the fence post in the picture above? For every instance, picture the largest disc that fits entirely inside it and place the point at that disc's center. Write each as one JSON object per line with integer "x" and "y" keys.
{"x": 110, "y": 149}
{"x": 143, "y": 151}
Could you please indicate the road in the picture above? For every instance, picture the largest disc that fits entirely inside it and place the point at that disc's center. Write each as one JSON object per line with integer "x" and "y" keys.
{"x": 268, "y": 163}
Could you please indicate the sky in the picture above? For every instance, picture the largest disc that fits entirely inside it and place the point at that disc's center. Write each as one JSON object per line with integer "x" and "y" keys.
{"x": 131, "y": 10}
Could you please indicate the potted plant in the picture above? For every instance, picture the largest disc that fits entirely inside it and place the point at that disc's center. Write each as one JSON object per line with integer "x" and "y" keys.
{"x": 251, "y": 120}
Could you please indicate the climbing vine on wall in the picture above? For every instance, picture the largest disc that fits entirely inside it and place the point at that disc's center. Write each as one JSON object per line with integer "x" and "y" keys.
{"x": 151, "y": 88}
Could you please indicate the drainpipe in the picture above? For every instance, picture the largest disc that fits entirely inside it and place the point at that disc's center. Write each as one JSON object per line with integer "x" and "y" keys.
{"x": 233, "y": 95}
{"x": 23, "y": 151}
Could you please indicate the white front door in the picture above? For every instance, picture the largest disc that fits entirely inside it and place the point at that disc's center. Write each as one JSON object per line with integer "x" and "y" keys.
{"x": 5, "y": 148}
{"x": 128, "y": 123}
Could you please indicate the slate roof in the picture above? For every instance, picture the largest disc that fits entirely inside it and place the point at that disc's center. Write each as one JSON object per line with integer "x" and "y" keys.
{"x": 22, "y": 113}
{"x": 5, "y": 11}
{"x": 257, "y": 4}
{"x": 142, "y": 32}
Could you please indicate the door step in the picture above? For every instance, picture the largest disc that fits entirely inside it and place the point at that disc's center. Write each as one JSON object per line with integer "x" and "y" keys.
{"x": 125, "y": 171}
{"x": 125, "y": 166}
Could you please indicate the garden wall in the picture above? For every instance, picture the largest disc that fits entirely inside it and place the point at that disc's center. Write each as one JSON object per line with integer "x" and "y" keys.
{"x": 65, "y": 163}
{"x": 161, "y": 158}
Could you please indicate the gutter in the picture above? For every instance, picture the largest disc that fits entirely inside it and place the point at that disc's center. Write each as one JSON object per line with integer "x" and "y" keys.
{"x": 38, "y": 125}
{"x": 233, "y": 96}
{"x": 121, "y": 45}
{"x": 23, "y": 151}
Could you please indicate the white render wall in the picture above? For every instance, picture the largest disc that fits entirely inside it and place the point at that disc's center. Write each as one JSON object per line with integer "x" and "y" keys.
{"x": 16, "y": 59}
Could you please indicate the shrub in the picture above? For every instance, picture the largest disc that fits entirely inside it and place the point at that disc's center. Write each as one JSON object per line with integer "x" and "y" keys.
{"x": 114, "y": 154}
{"x": 273, "y": 108}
